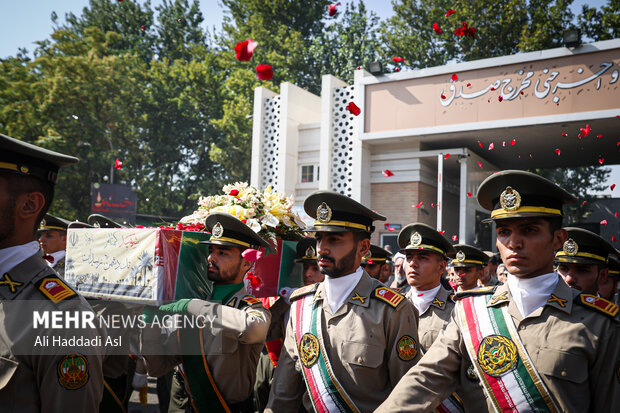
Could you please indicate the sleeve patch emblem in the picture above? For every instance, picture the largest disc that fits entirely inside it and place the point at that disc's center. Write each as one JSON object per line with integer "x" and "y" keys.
{"x": 55, "y": 289}
{"x": 389, "y": 296}
{"x": 406, "y": 348}
{"x": 251, "y": 300}
{"x": 73, "y": 371}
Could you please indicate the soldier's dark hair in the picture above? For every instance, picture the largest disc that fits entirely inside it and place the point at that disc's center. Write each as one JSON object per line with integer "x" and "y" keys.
{"x": 554, "y": 224}
{"x": 360, "y": 235}
{"x": 20, "y": 184}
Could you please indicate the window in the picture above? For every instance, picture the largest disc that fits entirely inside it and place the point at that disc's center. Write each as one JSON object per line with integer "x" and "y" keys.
{"x": 307, "y": 173}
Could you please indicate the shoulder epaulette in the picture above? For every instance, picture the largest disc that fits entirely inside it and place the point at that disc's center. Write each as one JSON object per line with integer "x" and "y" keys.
{"x": 451, "y": 297}
{"x": 248, "y": 300}
{"x": 597, "y": 303}
{"x": 55, "y": 289}
{"x": 476, "y": 291}
{"x": 388, "y": 295}
{"x": 300, "y": 292}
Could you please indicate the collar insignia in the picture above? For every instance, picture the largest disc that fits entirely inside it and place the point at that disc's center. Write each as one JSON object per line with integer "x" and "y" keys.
{"x": 570, "y": 247}
{"x": 324, "y": 213}
{"x": 359, "y": 297}
{"x": 558, "y": 300}
{"x": 510, "y": 199}
{"x": 460, "y": 256}
{"x": 416, "y": 239}
{"x": 438, "y": 302}
{"x": 502, "y": 296}
{"x": 217, "y": 230}
{"x": 6, "y": 280}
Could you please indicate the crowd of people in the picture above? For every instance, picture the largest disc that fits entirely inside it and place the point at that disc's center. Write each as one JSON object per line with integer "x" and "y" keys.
{"x": 434, "y": 327}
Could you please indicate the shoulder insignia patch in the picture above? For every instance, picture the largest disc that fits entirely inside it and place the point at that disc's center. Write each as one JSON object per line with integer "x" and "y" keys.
{"x": 247, "y": 300}
{"x": 406, "y": 348}
{"x": 73, "y": 371}
{"x": 388, "y": 295}
{"x": 598, "y": 303}
{"x": 55, "y": 289}
{"x": 300, "y": 292}
{"x": 477, "y": 291}
{"x": 232, "y": 302}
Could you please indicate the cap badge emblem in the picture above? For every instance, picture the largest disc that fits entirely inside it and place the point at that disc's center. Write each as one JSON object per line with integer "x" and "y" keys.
{"x": 416, "y": 239}
{"x": 24, "y": 169}
{"x": 324, "y": 213}
{"x": 460, "y": 256}
{"x": 310, "y": 252}
{"x": 570, "y": 247}
{"x": 217, "y": 230}
{"x": 510, "y": 199}
{"x": 43, "y": 223}
{"x": 368, "y": 255}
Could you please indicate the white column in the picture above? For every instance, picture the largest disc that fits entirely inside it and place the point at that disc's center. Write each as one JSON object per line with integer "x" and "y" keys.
{"x": 260, "y": 94}
{"x": 328, "y": 84}
{"x": 439, "y": 190}
{"x": 463, "y": 200}
{"x": 360, "y": 190}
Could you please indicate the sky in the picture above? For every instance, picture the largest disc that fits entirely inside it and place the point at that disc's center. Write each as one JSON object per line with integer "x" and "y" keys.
{"x": 22, "y": 22}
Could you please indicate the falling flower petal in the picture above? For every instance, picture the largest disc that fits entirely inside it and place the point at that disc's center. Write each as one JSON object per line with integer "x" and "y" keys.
{"x": 613, "y": 239}
{"x": 522, "y": 92}
{"x": 454, "y": 77}
{"x": 564, "y": 134}
{"x": 118, "y": 164}
{"x": 244, "y": 50}
{"x": 359, "y": 67}
{"x": 446, "y": 156}
{"x": 442, "y": 232}
{"x": 585, "y": 131}
{"x": 443, "y": 97}
{"x": 353, "y": 109}
{"x": 492, "y": 88}
{"x": 419, "y": 205}
{"x": 512, "y": 142}
{"x": 391, "y": 229}
{"x": 252, "y": 255}
{"x": 601, "y": 160}
{"x": 491, "y": 146}
{"x": 397, "y": 69}
{"x": 332, "y": 9}
{"x": 583, "y": 203}
{"x": 437, "y": 28}
{"x": 449, "y": 12}
{"x": 557, "y": 151}
{"x": 469, "y": 85}
{"x": 388, "y": 173}
{"x": 579, "y": 136}
{"x": 479, "y": 164}
{"x": 420, "y": 294}
{"x": 604, "y": 222}
{"x": 255, "y": 282}
{"x": 234, "y": 192}
{"x": 612, "y": 186}
{"x": 264, "y": 72}
{"x": 480, "y": 144}
{"x": 469, "y": 194}
{"x": 616, "y": 214}
{"x": 397, "y": 59}
{"x": 142, "y": 27}
{"x": 454, "y": 237}
{"x": 500, "y": 98}
{"x": 599, "y": 136}
{"x": 453, "y": 285}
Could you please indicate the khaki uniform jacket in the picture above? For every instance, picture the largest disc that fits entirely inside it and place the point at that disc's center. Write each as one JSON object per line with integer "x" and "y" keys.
{"x": 34, "y": 382}
{"x": 575, "y": 350}
{"x": 232, "y": 348}
{"x": 361, "y": 342}
{"x": 435, "y": 318}
{"x": 59, "y": 267}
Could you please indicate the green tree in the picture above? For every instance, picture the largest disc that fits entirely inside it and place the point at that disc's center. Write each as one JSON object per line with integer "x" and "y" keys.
{"x": 603, "y": 24}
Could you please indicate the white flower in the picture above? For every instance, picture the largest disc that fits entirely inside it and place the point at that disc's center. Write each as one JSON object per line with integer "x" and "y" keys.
{"x": 253, "y": 224}
{"x": 270, "y": 220}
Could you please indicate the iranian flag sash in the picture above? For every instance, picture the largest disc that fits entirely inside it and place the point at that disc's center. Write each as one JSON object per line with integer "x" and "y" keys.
{"x": 326, "y": 393}
{"x": 505, "y": 369}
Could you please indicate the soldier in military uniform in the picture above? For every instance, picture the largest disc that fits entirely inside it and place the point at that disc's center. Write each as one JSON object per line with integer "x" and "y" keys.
{"x": 349, "y": 339}
{"x": 426, "y": 252}
{"x": 218, "y": 364}
{"x": 534, "y": 343}
{"x": 582, "y": 261}
{"x": 100, "y": 221}
{"x": 36, "y": 377}
{"x": 468, "y": 263}
{"x": 53, "y": 240}
{"x": 375, "y": 262}
{"x": 306, "y": 255}
{"x": 608, "y": 288}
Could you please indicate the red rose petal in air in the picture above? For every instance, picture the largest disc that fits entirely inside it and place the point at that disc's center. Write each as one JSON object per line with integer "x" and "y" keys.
{"x": 491, "y": 146}
{"x": 601, "y": 160}
{"x": 616, "y": 214}
{"x": 500, "y": 98}
{"x": 585, "y": 131}
{"x": 437, "y": 28}
{"x": 480, "y": 144}
{"x": 557, "y": 151}
{"x": 264, "y": 72}
{"x": 397, "y": 59}
{"x": 564, "y": 134}
{"x": 442, "y": 232}
{"x": 251, "y": 254}
{"x": 450, "y": 12}
{"x": 244, "y": 50}
{"x": 234, "y": 192}
{"x": 583, "y": 203}
{"x": 512, "y": 142}
{"x": 469, "y": 85}
{"x": 599, "y": 136}
{"x": 387, "y": 173}
{"x": 118, "y": 164}
{"x": 454, "y": 237}
{"x": 419, "y": 205}
{"x": 480, "y": 164}
{"x": 579, "y": 136}
{"x": 469, "y": 194}
{"x": 522, "y": 92}
{"x": 358, "y": 68}
{"x": 142, "y": 27}
{"x": 612, "y": 186}
{"x": 618, "y": 143}
{"x": 492, "y": 88}
{"x": 453, "y": 285}
{"x": 397, "y": 69}
{"x": 353, "y": 109}
{"x": 390, "y": 229}
{"x": 446, "y": 156}
{"x": 613, "y": 239}
{"x": 332, "y": 9}
{"x": 454, "y": 77}
{"x": 603, "y": 222}
{"x": 443, "y": 97}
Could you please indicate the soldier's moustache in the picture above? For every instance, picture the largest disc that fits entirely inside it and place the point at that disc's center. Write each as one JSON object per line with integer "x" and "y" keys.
{"x": 325, "y": 257}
